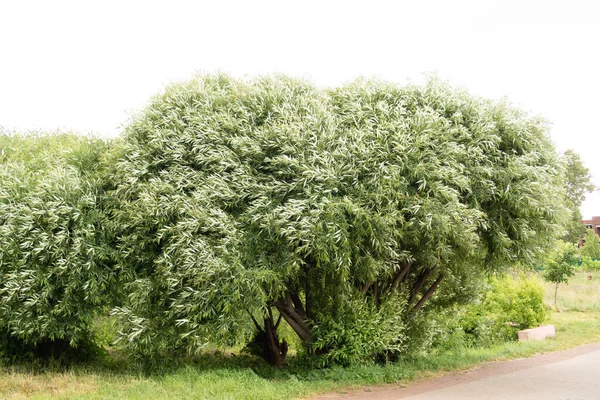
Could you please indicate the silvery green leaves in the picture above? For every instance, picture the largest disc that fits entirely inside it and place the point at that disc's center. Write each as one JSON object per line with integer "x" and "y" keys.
{"x": 54, "y": 255}
{"x": 243, "y": 200}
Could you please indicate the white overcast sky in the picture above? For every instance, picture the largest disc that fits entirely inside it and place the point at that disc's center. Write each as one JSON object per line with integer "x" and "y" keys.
{"x": 87, "y": 65}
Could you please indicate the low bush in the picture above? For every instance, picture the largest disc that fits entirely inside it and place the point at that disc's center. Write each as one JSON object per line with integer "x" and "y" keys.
{"x": 510, "y": 304}
{"x": 589, "y": 264}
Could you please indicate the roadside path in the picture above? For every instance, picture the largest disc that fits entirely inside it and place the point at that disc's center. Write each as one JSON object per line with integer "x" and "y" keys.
{"x": 571, "y": 374}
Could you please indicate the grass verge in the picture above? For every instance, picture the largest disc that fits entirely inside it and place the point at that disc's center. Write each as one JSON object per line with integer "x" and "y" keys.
{"x": 220, "y": 377}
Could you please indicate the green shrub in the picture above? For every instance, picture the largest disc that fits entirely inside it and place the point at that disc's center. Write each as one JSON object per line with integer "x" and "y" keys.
{"x": 54, "y": 254}
{"x": 589, "y": 264}
{"x": 366, "y": 333}
{"x": 508, "y": 305}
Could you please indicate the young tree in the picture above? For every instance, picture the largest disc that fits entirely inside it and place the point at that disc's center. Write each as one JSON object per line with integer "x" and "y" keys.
{"x": 242, "y": 204}
{"x": 561, "y": 265}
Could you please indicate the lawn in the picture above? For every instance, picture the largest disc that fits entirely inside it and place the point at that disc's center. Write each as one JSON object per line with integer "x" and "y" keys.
{"x": 237, "y": 377}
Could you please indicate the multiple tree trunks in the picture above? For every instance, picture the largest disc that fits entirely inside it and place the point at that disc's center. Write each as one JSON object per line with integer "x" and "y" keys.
{"x": 292, "y": 309}
{"x": 275, "y": 349}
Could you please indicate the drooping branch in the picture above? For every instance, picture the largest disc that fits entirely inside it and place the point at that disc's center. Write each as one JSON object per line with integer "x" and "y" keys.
{"x": 376, "y": 293}
{"x": 419, "y": 284}
{"x": 426, "y": 296}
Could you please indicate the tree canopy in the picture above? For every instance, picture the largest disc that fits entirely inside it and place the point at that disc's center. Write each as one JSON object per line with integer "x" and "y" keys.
{"x": 242, "y": 203}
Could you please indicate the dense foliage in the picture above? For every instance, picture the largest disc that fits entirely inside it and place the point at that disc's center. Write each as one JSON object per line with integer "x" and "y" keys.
{"x": 55, "y": 265}
{"x": 245, "y": 203}
{"x": 591, "y": 245}
{"x": 509, "y": 304}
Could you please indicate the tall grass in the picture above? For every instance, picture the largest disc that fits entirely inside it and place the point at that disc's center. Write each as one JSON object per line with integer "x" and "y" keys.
{"x": 580, "y": 294}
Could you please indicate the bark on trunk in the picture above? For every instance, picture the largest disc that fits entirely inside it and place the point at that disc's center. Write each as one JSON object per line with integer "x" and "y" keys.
{"x": 400, "y": 276}
{"x": 426, "y": 297}
{"x": 294, "y": 318}
{"x": 418, "y": 285}
{"x": 276, "y": 350}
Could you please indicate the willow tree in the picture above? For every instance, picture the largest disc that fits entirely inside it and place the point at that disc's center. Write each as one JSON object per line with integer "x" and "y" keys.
{"x": 242, "y": 204}
{"x": 55, "y": 263}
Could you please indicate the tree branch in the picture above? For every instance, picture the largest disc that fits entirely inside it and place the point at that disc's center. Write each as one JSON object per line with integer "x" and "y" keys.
{"x": 426, "y": 296}
{"x": 294, "y": 319}
{"x": 260, "y": 329}
{"x": 278, "y": 321}
{"x": 298, "y": 305}
{"x": 400, "y": 276}
{"x": 419, "y": 284}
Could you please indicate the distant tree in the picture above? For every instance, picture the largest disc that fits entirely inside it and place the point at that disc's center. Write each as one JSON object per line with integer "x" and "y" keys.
{"x": 578, "y": 184}
{"x": 560, "y": 266}
{"x": 591, "y": 248}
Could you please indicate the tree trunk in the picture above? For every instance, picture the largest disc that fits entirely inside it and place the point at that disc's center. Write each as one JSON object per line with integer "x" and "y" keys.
{"x": 294, "y": 318}
{"x": 555, "y": 296}
{"x": 419, "y": 284}
{"x": 276, "y": 350}
{"x": 426, "y": 297}
{"x": 400, "y": 276}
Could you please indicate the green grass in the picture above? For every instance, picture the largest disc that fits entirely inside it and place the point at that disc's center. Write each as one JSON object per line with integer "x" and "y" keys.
{"x": 221, "y": 377}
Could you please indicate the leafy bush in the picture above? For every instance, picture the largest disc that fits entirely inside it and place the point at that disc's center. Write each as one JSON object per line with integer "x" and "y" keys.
{"x": 513, "y": 304}
{"x": 367, "y": 332}
{"x": 54, "y": 254}
{"x": 591, "y": 246}
{"x": 508, "y": 305}
{"x": 269, "y": 197}
{"x": 589, "y": 264}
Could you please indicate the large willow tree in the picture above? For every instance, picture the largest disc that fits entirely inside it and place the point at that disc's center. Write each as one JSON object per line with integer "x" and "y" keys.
{"x": 242, "y": 204}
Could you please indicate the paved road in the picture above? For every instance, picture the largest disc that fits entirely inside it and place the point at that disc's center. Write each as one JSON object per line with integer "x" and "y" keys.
{"x": 569, "y": 375}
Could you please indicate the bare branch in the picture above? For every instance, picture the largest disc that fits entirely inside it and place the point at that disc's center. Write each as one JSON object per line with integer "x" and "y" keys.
{"x": 260, "y": 329}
